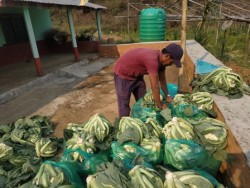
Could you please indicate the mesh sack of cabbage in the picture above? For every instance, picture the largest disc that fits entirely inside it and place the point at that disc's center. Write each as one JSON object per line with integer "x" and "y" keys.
{"x": 183, "y": 154}
{"x": 150, "y": 153}
{"x": 222, "y": 81}
{"x": 195, "y": 105}
{"x": 142, "y": 112}
{"x": 212, "y": 134}
{"x": 55, "y": 174}
{"x": 187, "y": 111}
{"x": 146, "y": 107}
{"x": 90, "y": 162}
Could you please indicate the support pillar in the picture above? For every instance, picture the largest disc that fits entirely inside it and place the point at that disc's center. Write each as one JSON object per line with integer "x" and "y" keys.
{"x": 38, "y": 66}
{"x": 98, "y": 18}
{"x": 32, "y": 41}
{"x": 73, "y": 34}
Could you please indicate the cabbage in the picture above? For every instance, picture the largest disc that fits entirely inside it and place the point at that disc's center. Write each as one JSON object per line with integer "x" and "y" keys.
{"x": 6, "y": 152}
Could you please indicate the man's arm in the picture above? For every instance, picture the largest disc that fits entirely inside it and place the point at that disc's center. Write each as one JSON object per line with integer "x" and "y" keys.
{"x": 163, "y": 83}
{"x": 154, "y": 81}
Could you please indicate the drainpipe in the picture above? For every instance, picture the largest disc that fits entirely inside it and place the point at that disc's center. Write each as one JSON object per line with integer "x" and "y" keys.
{"x": 32, "y": 41}
{"x": 98, "y": 18}
{"x": 73, "y": 34}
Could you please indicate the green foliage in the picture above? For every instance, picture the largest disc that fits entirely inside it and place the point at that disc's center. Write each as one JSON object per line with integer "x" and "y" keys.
{"x": 172, "y": 32}
{"x": 200, "y": 36}
{"x": 230, "y": 47}
{"x": 234, "y": 43}
{"x": 86, "y": 33}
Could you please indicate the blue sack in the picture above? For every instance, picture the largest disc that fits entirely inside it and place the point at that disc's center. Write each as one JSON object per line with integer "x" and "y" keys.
{"x": 203, "y": 67}
{"x": 172, "y": 89}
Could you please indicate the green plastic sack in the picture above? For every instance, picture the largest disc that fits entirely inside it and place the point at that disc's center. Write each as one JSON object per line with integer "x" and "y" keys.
{"x": 187, "y": 111}
{"x": 90, "y": 165}
{"x": 71, "y": 171}
{"x": 90, "y": 162}
{"x": 153, "y": 150}
{"x": 211, "y": 178}
{"x": 142, "y": 113}
{"x": 127, "y": 155}
{"x": 129, "y": 151}
{"x": 183, "y": 154}
{"x": 210, "y": 165}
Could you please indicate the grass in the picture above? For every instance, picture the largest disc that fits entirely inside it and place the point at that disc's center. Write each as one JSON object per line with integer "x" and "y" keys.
{"x": 231, "y": 48}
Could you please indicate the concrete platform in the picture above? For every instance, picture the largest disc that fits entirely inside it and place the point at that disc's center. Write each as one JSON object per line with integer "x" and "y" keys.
{"x": 27, "y": 98}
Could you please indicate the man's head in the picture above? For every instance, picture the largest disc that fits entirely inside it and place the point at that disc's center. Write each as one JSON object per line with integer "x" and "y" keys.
{"x": 172, "y": 54}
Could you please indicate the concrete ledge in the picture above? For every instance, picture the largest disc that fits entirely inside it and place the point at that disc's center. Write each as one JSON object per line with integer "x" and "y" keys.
{"x": 9, "y": 95}
{"x": 235, "y": 111}
{"x": 116, "y": 50}
{"x": 236, "y": 114}
{"x": 80, "y": 70}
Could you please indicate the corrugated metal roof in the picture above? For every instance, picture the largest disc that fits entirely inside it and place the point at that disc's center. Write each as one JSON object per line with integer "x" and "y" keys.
{"x": 58, "y": 2}
{"x": 78, "y": 3}
{"x": 94, "y": 6}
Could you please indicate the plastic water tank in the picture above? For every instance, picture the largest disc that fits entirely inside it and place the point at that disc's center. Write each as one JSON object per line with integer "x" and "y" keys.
{"x": 152, "y": 24}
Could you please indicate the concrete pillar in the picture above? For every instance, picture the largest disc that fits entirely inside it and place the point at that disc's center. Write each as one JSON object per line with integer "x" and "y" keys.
{"x": 32, "y": 41}
{"x": 98, "y": 18}
{"x": 73, "y": 34}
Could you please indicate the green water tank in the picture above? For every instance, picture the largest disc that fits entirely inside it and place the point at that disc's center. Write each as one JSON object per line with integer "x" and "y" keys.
{"x": 152, "y": 24}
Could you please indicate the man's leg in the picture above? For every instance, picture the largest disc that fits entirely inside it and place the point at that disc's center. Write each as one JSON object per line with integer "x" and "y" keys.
{"x": 123, "y": 93}
{"x": 139, "y": 88}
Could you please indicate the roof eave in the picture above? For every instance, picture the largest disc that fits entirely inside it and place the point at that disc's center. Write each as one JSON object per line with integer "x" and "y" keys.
{"x": 12, "y": 3}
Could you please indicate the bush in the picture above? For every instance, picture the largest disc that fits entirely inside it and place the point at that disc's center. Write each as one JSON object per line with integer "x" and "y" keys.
{"x": 86, "y": 34}
{"x": 55, "y": 36}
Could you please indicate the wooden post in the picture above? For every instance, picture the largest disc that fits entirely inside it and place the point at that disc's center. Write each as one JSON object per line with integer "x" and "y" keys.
{"x": 247, "y": 46}
{"x": 248, "y": 30}
{"x": 222, "y": 51}
{"x": 218, "y": 28}
{"x": 181, "y": 81}
{"x": 128, "y": 17}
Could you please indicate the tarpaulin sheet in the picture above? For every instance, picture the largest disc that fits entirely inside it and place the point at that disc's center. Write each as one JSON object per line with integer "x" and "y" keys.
{"x": 203, "y": 67}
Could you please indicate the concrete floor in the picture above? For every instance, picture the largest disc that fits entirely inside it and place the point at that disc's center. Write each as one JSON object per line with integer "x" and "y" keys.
{"x": 25, "y": 93}
{"x": 15, "y": 75}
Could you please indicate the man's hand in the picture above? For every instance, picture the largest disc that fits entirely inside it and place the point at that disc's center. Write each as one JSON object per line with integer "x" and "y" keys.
{"x": 169, "y": 99}
{"x": 163, "y": 106}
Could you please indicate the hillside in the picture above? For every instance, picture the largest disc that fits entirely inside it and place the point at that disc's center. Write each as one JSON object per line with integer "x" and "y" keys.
{"x": 231, "y": 46}
{"x": 115, "y": 17}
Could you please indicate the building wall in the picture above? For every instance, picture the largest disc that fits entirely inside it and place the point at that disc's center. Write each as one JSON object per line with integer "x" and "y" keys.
{"x": 41, "y": 22}
{"x": 40, "y": 19}
{"x": 12, "y": 53}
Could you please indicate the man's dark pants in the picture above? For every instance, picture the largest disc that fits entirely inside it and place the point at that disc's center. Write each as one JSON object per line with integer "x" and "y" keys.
{"x": 124, "y": 88}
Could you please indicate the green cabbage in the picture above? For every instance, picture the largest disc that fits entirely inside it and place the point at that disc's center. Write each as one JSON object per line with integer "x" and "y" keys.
{"x": 6, "y": 152}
